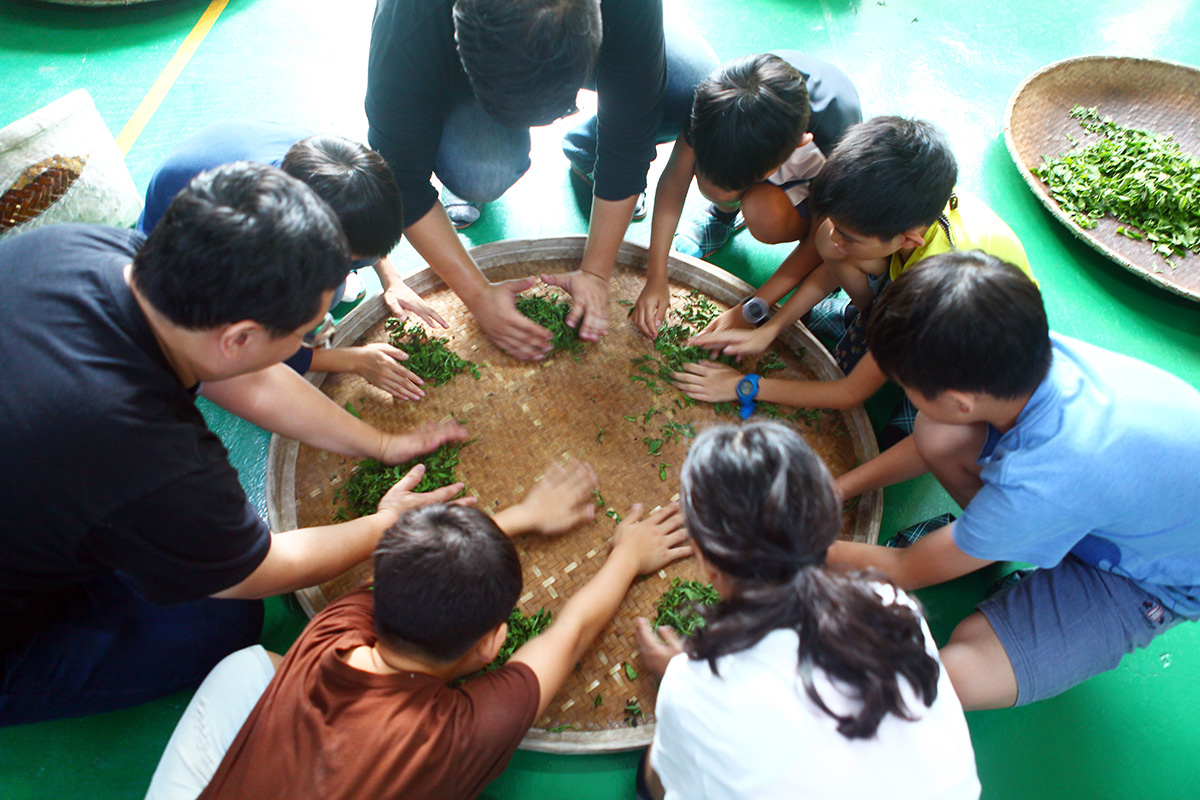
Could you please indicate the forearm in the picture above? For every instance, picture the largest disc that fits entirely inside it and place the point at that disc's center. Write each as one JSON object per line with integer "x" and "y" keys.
{"x": 593, "y": 606}
{"x": 932, "y": 559}
{"x": 669, "y": 198}
{"x": 434, "y": 239}
{"x": 334, "y": 359}
{"x": 795, "y": 268}
{"x": 515, "y": 520}
{"x": 309, "y": 556}
{"x": 388, "y": 275}
{"x": 897, "y": 464}
{"x": 862, "y": 382}
{"x": 812, "y": 290}
{"x": 282, "y": 402}
{"x": 606, "y": 232}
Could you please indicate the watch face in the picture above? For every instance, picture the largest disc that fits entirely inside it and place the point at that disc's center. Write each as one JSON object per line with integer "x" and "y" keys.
{"x": 754, "y": 310}
{"x": 745, "y": 388}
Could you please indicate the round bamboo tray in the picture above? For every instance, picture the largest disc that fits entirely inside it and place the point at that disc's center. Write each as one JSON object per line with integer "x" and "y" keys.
{"x": 1161, "y": 96}
{"x": 523, "y": 415}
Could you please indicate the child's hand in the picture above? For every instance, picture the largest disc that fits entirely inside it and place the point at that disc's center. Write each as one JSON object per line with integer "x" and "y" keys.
{"x": 707, "y": 381}
{"x": 558, "y": 502}
{"x": 379, "y": 364}
{"x": 656, "y": 652}
{"x": 653, "y": 542}
{"x": 728, "y": 320}
{"x": 401, "y": 300}
{"x": 401, "y": 497}
{"x": 651, "y": 308}
{"x": 398, "y": 447}
{"x": 735, "y": 342}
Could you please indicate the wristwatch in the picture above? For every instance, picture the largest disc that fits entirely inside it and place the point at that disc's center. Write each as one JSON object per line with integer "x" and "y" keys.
{"x": 755, "y": 310}
{"x": 747, "y": 390}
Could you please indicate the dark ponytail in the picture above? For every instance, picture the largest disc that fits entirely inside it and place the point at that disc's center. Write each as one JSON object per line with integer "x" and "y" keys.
{"x": 761, "y": 507}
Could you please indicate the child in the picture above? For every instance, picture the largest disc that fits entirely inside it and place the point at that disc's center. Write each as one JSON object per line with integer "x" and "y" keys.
{"x": 366, "y": 705}
{"x": 802, "y": 674}
{"x": 886, "y": 201}
{"x": 357, "y": 184}
{"x": 759, "y": 130}
{"x": 1061, "y": 454}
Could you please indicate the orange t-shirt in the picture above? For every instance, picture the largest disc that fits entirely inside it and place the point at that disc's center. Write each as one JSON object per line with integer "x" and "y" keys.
{"x": 325, "y": 730}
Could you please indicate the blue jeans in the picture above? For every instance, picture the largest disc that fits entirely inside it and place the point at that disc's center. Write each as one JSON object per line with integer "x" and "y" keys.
{"x": 479, "y": 159}
{"x": 110, "y": 648}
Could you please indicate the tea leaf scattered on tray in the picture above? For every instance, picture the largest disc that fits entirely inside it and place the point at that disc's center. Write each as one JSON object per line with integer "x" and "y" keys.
{"x": 633, "y": 713}
{"x": 678, "y": 607}
{"x": 427, "y": 355}
{"x": 521, "y": 628}
{"x": 662, "y": 471}
{"x": 630, "y": 672}
{"x": 597, "y": 701}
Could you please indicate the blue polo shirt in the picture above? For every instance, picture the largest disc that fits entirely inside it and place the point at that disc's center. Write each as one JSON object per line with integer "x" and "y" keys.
{"x": 1101, "y": 465}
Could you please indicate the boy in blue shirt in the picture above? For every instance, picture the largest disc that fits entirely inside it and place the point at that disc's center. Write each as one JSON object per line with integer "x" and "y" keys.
{"x": 1055, "y": 449}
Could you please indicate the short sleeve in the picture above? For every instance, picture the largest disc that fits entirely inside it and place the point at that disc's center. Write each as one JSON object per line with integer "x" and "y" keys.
{"x": 1010, "y": 523}
{"x": 188, "y": 539}
{"x": 501, "y": 709}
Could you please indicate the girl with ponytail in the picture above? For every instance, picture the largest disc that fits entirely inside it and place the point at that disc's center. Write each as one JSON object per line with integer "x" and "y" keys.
{"x": 804, "y": 681}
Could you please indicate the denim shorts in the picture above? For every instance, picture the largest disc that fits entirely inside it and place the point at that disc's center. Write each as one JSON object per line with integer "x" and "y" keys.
{"x": 1062, "y": 625}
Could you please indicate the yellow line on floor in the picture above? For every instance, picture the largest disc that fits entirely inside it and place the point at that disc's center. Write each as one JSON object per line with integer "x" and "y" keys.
{"x": 166, "y": 79}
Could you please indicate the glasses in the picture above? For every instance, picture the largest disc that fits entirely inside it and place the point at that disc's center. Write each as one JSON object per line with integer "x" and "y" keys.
{"x": 320, "y": 336}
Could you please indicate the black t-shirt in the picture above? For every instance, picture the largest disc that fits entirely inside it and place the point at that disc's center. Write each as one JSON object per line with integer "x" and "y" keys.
{"x": 414, "y": 77}
{"x": 105, "y": 461}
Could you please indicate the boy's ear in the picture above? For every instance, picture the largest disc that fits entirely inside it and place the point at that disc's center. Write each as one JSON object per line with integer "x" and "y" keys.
{"x": 913, "y": 238}
{"x": 804, "y": 140}
{"x": 488, "y": 646}
{"x": 232, "y": 339}
{"x": 964, "y": 402}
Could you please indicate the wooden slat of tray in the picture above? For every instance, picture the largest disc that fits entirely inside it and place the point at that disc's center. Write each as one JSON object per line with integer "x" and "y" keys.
{"x": 525, "y": 414}
{"x": 1161, "y": 96}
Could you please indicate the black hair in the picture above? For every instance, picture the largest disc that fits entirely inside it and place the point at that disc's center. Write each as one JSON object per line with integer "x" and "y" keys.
{"x": 886, "y": 176}
{"x": 761, "y": 507}
{"x": 445, "y": 575}
{"x": 747, "y": 118}
{"x": 358, "y": 185}
{"x": 963, "y": 320}
{"x": 527, "y": 59}
{"x": 242, "y": 242}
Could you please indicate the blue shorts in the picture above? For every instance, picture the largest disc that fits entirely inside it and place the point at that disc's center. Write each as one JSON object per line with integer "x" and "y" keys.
{"x": 1062, "y": 625}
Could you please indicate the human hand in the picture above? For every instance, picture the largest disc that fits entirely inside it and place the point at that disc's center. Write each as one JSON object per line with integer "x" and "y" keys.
{"x": 656, "y": 650}
{"x": 509, "y": 329}
{"x": 398, "y": 447}
{"x": 401, "y": 497}
{"x": 651, "y": 308}
{"x": 402, "y": 300}
{"x": 558, "y": 502}
{"x": 379, "y": 363}
{"x": 707, "y": 381}
{"x": 652, "y": 542}
{"x": 730, "y": 319}
{"x": 589, "y": 313}
{"x": 735, "y": 342}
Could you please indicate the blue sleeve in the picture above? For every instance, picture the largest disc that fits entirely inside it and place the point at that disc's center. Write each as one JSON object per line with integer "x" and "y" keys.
{"x": 1011, "y": 523}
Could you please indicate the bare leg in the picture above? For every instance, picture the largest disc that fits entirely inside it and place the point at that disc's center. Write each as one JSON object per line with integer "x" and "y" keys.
{"x": 952, "y": 453}
{"x": 770, "y": 215}
{"x": 978, "y": 666}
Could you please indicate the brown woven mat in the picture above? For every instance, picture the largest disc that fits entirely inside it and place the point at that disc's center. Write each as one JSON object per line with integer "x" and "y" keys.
{"x": 523, "y": 415}
{"x": 1142, "y": 93}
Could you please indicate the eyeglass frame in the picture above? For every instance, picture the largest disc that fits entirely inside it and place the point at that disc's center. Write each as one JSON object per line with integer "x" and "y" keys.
{"x": 321, "y": 336}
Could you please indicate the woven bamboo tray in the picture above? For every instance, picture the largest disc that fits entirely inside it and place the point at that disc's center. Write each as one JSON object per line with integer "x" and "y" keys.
{"x": 523, "y": 415}
{"x": 1144, "y": 93}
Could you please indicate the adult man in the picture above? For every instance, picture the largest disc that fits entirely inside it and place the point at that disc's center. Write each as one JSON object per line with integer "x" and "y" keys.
{"x": 123, "y": 513}
{"x": 453, "y": 86}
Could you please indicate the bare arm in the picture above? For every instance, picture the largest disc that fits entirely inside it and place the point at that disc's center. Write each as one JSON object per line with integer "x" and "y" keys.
{"x": 899, "y": 463}
{"x": 308, "y": 556}
{"x": 932, "y": 559}
{"x": 492, "y": 304}
{"x": 669, "y": 197}
{"x": 711, "y": 382}
{"x": 640, "y": 546}
{"x": 400, "y": 299}
{"x": 378, "y": 362}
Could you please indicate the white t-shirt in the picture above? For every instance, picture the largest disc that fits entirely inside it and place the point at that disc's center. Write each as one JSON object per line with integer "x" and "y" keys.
{"x": 753, "y": 732}
{"x": 795, "y": 175}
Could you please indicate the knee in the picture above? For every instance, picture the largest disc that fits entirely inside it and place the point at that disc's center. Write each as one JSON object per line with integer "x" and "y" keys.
{"x": 770, "y": 216}
{"x": 978, "y": 666}
{"x": 482, "y": 180}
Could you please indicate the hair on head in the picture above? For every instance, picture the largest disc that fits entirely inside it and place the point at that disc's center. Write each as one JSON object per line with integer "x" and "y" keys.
{"x": 886, "y": 176}
{"x": 747, "y": 118}
{"x": 243, "y": 241}
{"x": 358, "y": 185}
{"x": 761, "y": 507}
{"x": 963, "y": 320}
{"x": 445, "y": 575}
{"x": 527, "y": 59}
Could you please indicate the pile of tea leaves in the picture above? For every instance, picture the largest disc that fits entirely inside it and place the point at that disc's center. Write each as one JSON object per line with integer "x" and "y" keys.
{"x": 427, "y": 355}
{"x": 551, "y": 313}
{"x": 679, "y": 606}
{"x": 670, "y": 352}
{"x": 521, "y": 628}
{"x": 1141, "y": 178}
{"x": 371, "y": 480}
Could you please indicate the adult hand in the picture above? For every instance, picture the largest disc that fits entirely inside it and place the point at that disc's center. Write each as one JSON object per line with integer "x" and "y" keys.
{"x": 707, "y": 381}
{"x": 655, "y": 541}
{"x": 401, "y": 497}
{"x": 398, "y": 447}
{"x": 589, "y": 313}
{"x": 507, "y": 328}
{"x": 561, "y": 500}
{"x": 401, "y": 301}
{"x": 379, "y": 363}
{"x": 652, "y": 306}
{"x": 656, "y": 650}
{"x": 735, "y": 342}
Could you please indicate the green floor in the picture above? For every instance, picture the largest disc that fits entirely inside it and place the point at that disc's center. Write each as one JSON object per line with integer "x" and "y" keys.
{"x": 1129, "y": 733}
